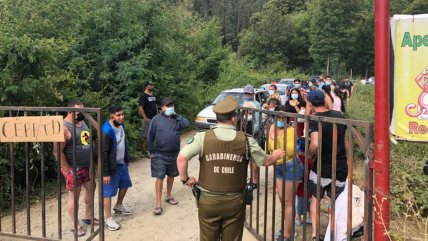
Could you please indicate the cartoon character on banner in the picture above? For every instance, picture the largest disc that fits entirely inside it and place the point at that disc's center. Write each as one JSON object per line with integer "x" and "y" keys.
{"x": 422, "y": 105}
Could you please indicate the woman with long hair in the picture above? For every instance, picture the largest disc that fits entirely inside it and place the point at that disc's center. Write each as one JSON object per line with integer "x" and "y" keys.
{"x": 284, "y": 171}
{"x": 338, "y": 104}
{"x": 328, "y": 98}
{"x": 295, "y": 104}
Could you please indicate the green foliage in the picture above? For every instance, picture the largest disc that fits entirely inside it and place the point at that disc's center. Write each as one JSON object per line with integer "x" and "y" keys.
{"x": 234, "y": 16}
{"x": 409, "y": 197}
{"x": 331, "y": 22}
{"x": 361, "y": 55}
{"x": 416, "y": 7}
{"x": 361, "y": 105}
{"x": 277, "y": 36}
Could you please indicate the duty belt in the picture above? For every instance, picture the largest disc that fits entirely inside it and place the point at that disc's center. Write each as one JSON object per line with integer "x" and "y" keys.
{"x": 207, "y": 193}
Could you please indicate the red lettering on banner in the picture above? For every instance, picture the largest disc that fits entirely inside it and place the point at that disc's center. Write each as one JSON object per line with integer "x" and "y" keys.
{"x": 415, "y": 128}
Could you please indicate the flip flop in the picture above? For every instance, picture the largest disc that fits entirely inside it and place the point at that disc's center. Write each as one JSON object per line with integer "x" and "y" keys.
{"x": 157, "y": 211}
{"x": 88, "y": 221}
{"x": 171, "y": 201}
{"x": 80, "y": 232}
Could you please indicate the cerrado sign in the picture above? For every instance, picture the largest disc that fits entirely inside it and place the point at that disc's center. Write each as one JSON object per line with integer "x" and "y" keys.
{"x": 32, "y": 129}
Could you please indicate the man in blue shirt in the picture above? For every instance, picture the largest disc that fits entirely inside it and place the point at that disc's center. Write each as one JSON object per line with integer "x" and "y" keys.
{"x": 115, "y": 160}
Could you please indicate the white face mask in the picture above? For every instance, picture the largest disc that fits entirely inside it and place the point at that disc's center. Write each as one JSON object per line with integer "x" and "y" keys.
{"x": 169, "y": 111}
{"x": 271, "y": 109}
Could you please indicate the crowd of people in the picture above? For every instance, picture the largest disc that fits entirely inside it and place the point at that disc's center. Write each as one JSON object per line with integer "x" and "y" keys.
{"x": 320, "y": 97}
{"x": 224, "y": 153}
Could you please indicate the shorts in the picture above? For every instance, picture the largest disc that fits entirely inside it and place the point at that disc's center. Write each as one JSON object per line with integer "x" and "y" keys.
{"x": 120, "y": 179}
{"x": 82, "y": 176}
{"x": 289, "y": 166}
{"x": 313, "y": 190}
{"x": 162, "y": 165}
{"x": 145, "y": 124}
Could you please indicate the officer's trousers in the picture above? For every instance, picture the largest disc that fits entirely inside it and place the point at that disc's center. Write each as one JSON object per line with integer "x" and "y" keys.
{"x": 221, "y": 217}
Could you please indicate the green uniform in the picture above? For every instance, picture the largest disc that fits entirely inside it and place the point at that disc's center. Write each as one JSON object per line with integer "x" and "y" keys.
{"x": 222, "y": 213}
{"x": 224, "y": 133}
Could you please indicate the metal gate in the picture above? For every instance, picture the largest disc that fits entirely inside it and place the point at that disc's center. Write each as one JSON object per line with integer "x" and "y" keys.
{"x": 16, "y": 220}
{"x": 265, "y": 216}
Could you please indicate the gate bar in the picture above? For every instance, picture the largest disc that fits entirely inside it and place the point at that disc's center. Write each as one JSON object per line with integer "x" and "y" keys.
{"x": 382, "y": 104}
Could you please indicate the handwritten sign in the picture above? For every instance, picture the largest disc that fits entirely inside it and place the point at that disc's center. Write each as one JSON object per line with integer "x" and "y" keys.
{"x": 32, "y": 129}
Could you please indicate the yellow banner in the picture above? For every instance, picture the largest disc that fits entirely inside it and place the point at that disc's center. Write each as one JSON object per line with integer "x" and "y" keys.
{"x": 32, "y": 129}
{"x": 411, "y": 78}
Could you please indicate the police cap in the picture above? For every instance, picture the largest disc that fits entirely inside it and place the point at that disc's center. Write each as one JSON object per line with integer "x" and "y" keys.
{"x": 227, "y": 106}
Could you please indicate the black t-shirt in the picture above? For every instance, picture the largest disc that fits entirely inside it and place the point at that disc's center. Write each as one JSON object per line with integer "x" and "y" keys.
{"x": 148, "y": 102}
{"x": 292, "y": 109}
{"x": 327, "y": 147}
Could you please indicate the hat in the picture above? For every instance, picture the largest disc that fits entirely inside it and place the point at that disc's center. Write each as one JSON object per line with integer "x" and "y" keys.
{"x": 249, "y": 89}
{"x": 226, "y": 106}
{"x": 167, "y": 101}
{"x": 316, "y": 97}
{"x": 147, "y": 83}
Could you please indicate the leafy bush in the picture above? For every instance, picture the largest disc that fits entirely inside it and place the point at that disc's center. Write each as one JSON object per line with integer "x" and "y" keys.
{"x": 409, "y": 186}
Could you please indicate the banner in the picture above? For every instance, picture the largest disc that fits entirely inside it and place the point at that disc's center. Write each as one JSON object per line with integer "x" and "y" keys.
{"x": 32, "y": 129}
{"x": 409, "y": 35}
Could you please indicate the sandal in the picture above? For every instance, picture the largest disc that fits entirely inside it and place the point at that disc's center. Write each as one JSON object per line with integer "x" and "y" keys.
{"x": 157, "y": 211}
{"x": 80, "y": 232}
{"x": 171, "y": 201}
{"x": 88, "y": 221}
{"x": 321, "y": 238}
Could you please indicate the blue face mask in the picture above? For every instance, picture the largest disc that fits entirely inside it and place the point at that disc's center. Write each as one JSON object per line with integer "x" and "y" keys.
{"x": 280, "y": 124}
{"x": 297, "y": 85}
{"x": 247, "y": 98}
{"x": 271, "y": 92}
{"x": 169, "y": 111}
{"x": 327, "y": 83}
{"x": 294, "y": 96}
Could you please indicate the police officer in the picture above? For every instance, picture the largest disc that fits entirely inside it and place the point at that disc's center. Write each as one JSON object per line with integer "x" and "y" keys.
{"x": 223, "y": 173}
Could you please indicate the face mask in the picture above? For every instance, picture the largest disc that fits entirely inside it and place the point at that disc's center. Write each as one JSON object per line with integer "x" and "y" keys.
{"x": 297, "y": 85}
{"x": 116, "y": 123}
{"x": 169, "y": 111}
{"x": 294, "y": 96}
{"x": 327, "y": 83}
{"x": 280, "y": 124}
{"x": 247, "y": 98}
{"x": 80, "y": 117}
{"x": 310, "y": 84}
{"x": 272, "y": 109}
{"x": 271, "y": 92}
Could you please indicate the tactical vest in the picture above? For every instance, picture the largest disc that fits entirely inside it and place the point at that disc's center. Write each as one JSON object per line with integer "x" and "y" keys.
{"x": 223, "y": 163}
{"x": 82, "y": 145}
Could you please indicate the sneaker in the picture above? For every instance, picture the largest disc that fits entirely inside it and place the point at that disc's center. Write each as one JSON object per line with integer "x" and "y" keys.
{"x": 111, "y": 224}
{"x": 298, "y": 222}
{"x": 122, "y": 210}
